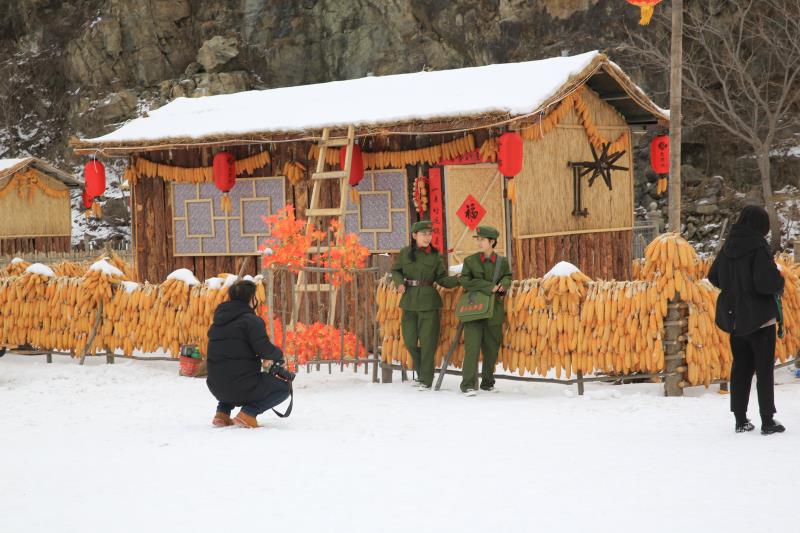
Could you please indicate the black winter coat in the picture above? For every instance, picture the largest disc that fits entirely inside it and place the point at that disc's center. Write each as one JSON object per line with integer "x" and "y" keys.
{"x": 237, "y": 344}
{"x": 748, "y": 279}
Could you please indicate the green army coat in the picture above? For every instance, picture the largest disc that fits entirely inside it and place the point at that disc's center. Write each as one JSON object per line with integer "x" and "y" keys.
{"x": 427, "y": 267}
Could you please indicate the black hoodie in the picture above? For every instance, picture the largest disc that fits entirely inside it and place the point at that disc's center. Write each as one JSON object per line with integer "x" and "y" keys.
{"x": 237, "y": 344}
{"x": 748, "y": 279}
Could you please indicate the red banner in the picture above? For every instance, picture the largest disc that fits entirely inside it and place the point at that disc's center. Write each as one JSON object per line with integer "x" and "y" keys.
{"x": 436, "y": 207}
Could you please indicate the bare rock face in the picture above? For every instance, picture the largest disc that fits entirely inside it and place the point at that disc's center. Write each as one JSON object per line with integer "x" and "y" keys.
{"x": 216, "y": 52}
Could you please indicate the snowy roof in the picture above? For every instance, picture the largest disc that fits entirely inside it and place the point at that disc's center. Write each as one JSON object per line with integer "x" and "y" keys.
{"x": 12, "y": 166}
{"x": 488, "y": 92}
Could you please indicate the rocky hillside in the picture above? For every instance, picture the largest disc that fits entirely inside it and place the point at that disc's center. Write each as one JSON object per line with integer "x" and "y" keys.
{"x": 82, "y": 68}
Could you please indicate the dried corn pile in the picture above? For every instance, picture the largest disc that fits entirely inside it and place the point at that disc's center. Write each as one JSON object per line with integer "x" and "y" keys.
{"x": 59, "y": 313}
{"x": 389, "y": 313}
{"x": 789, "y": 346}
{"x": 542, "y": 324}
{"x": 563, "y": 323}
{"x": 69, "y": 269}
{"x": 52, "y": 312}
{"x": 622, "y": 326}
{"x": 673, "y": 265}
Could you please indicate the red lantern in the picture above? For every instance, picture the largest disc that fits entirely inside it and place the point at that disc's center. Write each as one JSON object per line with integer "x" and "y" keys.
{"x": 509, "y": 154}
{"x": 647, "y": 7}
{"x": 94, "y": 174}
{"x": 224, "y": 168}
{"x": 659, "y": 154}
{"x": 356, "y": 164}
{"x": 224, "y": 171}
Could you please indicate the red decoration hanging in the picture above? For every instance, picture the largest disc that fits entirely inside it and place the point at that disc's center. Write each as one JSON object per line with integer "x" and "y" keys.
{"x": 224, "y": 168}
{"x": 86, "y": 200}
{"x": 509, "y": 154}
{"x": 224, "y": 171}
{"x": 356, "y": 164}
{"x": 94, "y": 175}
{"x": 646, "y": 7}
{"x": 659, "y": 154}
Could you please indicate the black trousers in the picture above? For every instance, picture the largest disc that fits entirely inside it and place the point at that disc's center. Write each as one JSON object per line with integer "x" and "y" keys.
{"x": 754, "y": 354}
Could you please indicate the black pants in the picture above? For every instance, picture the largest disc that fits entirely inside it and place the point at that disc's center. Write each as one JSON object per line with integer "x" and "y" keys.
{"x": 255, "y": 408}
{"x": 754, "y": 354}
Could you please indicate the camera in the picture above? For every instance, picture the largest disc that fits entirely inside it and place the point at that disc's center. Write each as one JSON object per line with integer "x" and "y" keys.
{"x": 278, "y": 371}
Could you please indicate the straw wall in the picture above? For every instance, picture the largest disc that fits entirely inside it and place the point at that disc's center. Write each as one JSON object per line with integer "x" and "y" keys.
{"x": 544, "y": 187}
{"x": 35, "y": 214}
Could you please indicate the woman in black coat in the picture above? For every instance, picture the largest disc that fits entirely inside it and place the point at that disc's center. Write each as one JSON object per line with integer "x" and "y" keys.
{"x": 238, "y": 347}
{"x": 750, "y": 282}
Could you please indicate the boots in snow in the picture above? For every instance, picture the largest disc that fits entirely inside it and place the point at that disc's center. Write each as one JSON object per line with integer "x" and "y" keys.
{"x": 221, "y": 420}
{"x": 244, "y": 420}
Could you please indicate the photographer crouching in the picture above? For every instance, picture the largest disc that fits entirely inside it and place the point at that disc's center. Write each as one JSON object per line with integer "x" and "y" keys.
{"x": 238, "y": 348}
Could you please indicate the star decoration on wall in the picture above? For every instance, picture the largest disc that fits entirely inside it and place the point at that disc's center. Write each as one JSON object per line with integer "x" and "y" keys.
{"x": 602, "y": 165}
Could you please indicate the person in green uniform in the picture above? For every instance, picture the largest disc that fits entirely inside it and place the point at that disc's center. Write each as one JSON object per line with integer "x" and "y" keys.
{"x": 414, "y": 272}
{"x": 484, "y": 335}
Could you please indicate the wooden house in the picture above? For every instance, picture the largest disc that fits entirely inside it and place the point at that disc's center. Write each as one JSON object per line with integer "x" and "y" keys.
{"x": 35, "y": 213}
{"x": 435, "y": 132}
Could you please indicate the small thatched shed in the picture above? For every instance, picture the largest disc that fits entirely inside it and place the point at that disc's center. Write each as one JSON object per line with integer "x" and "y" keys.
{"x": 440, "y": 126}
{"x": 35, "y": 213}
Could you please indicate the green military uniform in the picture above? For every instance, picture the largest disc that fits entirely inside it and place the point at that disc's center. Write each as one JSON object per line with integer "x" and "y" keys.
{"x": 418, "y": 269}
{"x": 483, "y": 335}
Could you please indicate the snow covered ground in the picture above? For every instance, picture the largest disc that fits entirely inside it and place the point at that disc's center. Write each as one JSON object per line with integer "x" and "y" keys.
{"x": 129, "y": 448}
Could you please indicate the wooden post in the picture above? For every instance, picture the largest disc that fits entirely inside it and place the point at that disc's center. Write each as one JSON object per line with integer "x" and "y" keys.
{"x": 93, "y": 333}
{"x": 675, "y": 90}
{"x": 675, "y": 335}
{"x": 271, "y": 302}
{"x": 580, "y": 382}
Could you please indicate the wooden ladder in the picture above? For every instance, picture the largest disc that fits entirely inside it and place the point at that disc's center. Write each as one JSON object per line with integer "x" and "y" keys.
{"x": 315, "y": 214}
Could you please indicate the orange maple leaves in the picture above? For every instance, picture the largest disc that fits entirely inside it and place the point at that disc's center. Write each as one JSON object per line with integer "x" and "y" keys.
{"x": 292, "y": 238}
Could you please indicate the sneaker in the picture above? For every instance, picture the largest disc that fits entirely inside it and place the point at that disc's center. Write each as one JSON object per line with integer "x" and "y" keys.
{"x": 744, "y": 426}
{"x": 773, "y": 426}
{"x": 423, "y": 387}
{"x": 488, "y": 389}
{"x": 470, "y": 392}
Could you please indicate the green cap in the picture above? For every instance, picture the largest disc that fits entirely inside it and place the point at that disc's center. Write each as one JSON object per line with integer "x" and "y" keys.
{"x": 422, "y": 225}
{"x": 487, "y": 232}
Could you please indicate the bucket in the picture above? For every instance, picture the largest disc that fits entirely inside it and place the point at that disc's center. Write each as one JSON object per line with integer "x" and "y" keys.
{"x": 190, "y": 367}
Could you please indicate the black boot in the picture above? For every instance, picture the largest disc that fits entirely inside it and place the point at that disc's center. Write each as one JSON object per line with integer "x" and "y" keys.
{"x": 768, "y": 427}
{"x": 743, "y": 423}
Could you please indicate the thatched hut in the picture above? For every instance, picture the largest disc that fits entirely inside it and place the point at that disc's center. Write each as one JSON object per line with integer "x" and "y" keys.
{"x": 441, "y": 126}
{"x": 35, "y": 214}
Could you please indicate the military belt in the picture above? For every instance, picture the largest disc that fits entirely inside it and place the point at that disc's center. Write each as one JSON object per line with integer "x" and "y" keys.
{"x": 418, "y": 283}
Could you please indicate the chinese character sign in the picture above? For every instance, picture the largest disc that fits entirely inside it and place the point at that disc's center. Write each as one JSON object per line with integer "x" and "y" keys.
{"x": 436, "y": 207}
{"x": 471, "y": 212}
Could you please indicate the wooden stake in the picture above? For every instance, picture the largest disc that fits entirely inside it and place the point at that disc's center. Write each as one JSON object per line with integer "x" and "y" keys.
{"x": 675, "y": 90}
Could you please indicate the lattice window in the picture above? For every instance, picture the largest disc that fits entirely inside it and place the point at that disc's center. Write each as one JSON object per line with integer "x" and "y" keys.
{"x": 381, "y": 217}
{"x": 201, "y": 228}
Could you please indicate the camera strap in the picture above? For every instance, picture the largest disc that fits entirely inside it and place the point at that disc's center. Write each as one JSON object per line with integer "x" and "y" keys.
{"x": 291, "y": 404}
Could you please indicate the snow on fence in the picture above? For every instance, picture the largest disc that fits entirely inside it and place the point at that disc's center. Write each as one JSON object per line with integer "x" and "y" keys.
{"x": 658, "y": 326}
